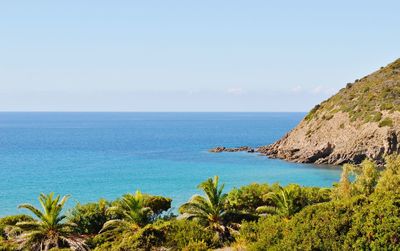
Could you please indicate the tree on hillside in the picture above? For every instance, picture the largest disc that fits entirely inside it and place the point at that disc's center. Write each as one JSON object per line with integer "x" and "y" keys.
{"x": 390, "y": 177}
{"x": 208, "y": 209}
{"x": 283, "y": 203}
{"x": 366, "y": 178}
{"x": 342, "y": 190}
{"x": 131, "y": 211}
{"x": 49, "y": 229}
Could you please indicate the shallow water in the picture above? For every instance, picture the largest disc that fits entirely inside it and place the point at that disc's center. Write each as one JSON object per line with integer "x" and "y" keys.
{"x": 94, "y": 155}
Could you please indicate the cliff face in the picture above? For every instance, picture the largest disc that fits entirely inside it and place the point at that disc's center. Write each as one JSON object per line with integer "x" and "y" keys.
{"x": 360, "y": 121}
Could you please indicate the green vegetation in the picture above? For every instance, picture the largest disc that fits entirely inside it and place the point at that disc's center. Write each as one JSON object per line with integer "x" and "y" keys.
{"x": 386, "y": 122}
{"x": 366, "y": 99}
{"x": 283, "y": 203}
{"x": 48, "y": 230}
{"x": 360, "y": 212}
{"x": 209, "y": 210}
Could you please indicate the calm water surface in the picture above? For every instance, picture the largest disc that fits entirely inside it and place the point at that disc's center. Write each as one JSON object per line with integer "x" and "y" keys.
{"x": 94, "y": 155}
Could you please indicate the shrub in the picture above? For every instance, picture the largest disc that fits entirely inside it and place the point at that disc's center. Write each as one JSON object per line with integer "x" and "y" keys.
{"x": 366, "y": 179}
{"x": 374, "y": 117}
{"x": 313, "y": 111}
{"x": 265, "y": 233}
{"x": 89, "y": 218}
{"x": 389, "y": 181}
{"x": 248, "y": 198}
{"x": 386, "y": 122}
{"x": 387, "y": 106}
{"x": 376, "y": 226}
{"x": 314, "y": 195}
{"x": 157, "y": 204}
{"x": 6, "y": 245}
{"x": 11, "y": 221}
{"x": 327, "y": 116}
{"x": 196, "y": 246}
{"x": 318, "y": 227}
{"x": 181, "y": 234}
{"x": 148, "y": 237}
{"x": 172, "y": 234}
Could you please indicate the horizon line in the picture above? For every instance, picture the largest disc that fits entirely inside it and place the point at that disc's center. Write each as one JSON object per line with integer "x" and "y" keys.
{"x": 88, "y": 111}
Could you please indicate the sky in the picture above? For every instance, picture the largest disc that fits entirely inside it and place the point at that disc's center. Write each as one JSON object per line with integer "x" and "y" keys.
{"x": 209, "y": 55}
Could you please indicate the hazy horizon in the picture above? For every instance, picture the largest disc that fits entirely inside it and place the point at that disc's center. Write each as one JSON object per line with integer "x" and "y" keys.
{"x": 152, "y": 112}
{"x": 176, "y": 56}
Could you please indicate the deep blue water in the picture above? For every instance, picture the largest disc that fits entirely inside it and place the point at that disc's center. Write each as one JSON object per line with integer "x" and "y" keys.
{"x": 103, "y": 155}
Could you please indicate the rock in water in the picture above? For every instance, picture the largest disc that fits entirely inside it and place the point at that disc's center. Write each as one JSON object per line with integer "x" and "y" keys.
{"x": 361, "y": 121}
{"x": 220, "y": 149}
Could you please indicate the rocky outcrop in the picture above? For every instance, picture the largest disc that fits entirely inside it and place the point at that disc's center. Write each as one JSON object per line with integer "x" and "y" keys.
{"x": 361, "y": 121}
{"x": 336, "y": 141}
{"x": 220, "y": 149}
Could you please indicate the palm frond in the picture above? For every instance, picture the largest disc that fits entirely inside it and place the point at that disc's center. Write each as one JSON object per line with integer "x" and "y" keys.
{"x": 208, "y": 209}
{"x": 33, "y": 209}
{"x": 49, "y": 228}
{"x": 266, "y": 210}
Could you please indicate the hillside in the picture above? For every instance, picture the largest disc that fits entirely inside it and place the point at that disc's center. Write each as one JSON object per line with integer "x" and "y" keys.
{"x": 361, "y": 121}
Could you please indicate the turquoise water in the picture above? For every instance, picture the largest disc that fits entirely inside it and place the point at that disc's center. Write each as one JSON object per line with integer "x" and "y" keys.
{"x": 103, "y": 155}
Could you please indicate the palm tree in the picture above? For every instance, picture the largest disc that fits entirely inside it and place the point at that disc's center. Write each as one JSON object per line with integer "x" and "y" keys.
{"x": 49, "y": 229}
{"x": 283, "y": 203}
{"x": 131, "y": 212}
{"x": 208, "y": 209}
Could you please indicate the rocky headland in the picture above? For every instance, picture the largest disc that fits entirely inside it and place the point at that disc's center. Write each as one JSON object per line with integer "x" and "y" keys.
{"x": 361, "y": 121}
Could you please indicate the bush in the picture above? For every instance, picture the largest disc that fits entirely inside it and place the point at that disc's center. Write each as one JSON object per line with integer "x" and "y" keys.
{"x": 6, "y": 245}
{"x": 327, "y": 116}
{"x": 89, "y": 218}
{"x": 367, "y": 178}
{"x": 196, "y": 246}
{"x": 146, "y": 238}
{"x": 311, "y": 114}
{"x": 319, "y": 227}
{"x": 389, "y": 181}
{"x": 172, "y": 234}
{"x": 376, "y": 226}
{"x": 266, "y": 233}
{"x": 11, "y": 221}
{"x": 248, "y": 198}
{"x": 158, "y": 204}
{"x": 374, "y": 117}
{"x": 182, "y": 234}
{"x": 386, "y": 122}
{"x": 387, "y": 106}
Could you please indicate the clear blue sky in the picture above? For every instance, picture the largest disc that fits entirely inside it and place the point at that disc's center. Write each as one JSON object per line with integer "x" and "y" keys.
{"x": 188, "y": 55}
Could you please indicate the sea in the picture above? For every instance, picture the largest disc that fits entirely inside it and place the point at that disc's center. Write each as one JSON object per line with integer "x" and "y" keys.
{"x": 105, "y": 155}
